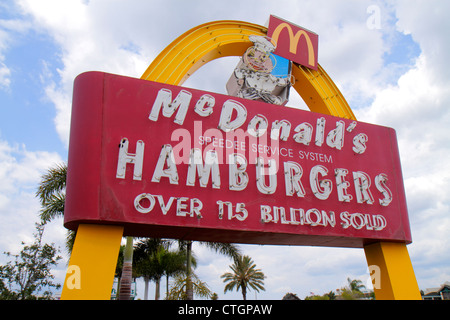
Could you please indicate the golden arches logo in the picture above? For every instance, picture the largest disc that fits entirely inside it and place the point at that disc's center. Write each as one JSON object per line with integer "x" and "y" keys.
{"x": 294, "y": 40}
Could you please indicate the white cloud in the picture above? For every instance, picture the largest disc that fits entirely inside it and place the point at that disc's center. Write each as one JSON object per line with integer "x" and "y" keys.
{"x": 5, "y": 73}
{"x": 427, "y": 22}
{"x": 87, "y": 42}
{"x": 20, "y": 173}
{"x": 417, "y": 107}
{"x": 9, "y": 29}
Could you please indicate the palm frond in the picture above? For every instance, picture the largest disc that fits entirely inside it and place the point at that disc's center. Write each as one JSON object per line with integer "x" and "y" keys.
{"x": 178, "y": 290}
{"x": 227, "y": 249}
{"x": 53, "y": 182}
{"x": 53, "y": 207}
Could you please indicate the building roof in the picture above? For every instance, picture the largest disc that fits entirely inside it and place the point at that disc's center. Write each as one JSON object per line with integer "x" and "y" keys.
{"x": 431, "y": 291}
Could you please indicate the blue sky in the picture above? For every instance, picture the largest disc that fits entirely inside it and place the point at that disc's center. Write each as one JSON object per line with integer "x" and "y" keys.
{"x": 30, "y": 57}
{"x": 394, "y": 73}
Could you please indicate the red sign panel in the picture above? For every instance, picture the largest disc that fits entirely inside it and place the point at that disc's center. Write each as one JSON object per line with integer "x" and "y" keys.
{"x": 293, "y": 42}
{"x": 167, "y": 161}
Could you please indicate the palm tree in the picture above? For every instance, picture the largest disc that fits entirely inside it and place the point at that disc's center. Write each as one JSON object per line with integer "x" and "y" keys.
{"x": 153, "y": 260}
{"x": 355, "y": 285}
{"x": 148, "y": 263}
{"x": 174, "y": 263}
{"x": 244, "y": 275}
{"x": 331, "y": 295}
{"x": 127, "y": 271}
{"x": 178, "y": 290}
{"x": 227, "y": 249}
{"x": 147, "y": 259}
{"x": 52, "y": 195}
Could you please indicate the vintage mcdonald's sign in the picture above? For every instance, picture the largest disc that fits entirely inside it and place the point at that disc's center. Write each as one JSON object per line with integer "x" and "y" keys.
{"x": 293, "y": 42}
{"x": 150, "y": 158}
{"x": 175, "y": 162}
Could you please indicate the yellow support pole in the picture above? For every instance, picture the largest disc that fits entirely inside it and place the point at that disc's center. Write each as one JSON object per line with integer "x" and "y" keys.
{"x": 90, "y": 274}
{"x": 391, "y": 271}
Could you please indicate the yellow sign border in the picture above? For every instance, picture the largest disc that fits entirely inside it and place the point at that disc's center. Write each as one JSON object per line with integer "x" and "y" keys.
{"x": 393, "y": 274}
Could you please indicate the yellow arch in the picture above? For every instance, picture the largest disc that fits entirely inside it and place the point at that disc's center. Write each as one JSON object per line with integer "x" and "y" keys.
{"x": 217, "y": 39}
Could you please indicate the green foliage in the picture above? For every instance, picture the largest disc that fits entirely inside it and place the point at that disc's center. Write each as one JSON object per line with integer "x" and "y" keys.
{"x": 52, "y": 195}
{"x": 178, "y": 290}
{"x": 153, "y": 260}
{"x": 214, "y": 296}
{"x": 30, "y": 271}
{"x": 349, "y": 294}
{"x": 355, "y": 285}
{"x": 317, "y": 297}
{"x": 353, "y": 291}
{"x": 148, "y": 256}
{"x": 51, "y": 192}
{"x": 244, "y": 275}
{"x": 327, "y": 296}
{"x": 227, "y": 249}
{"x": 331, "y": 295}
